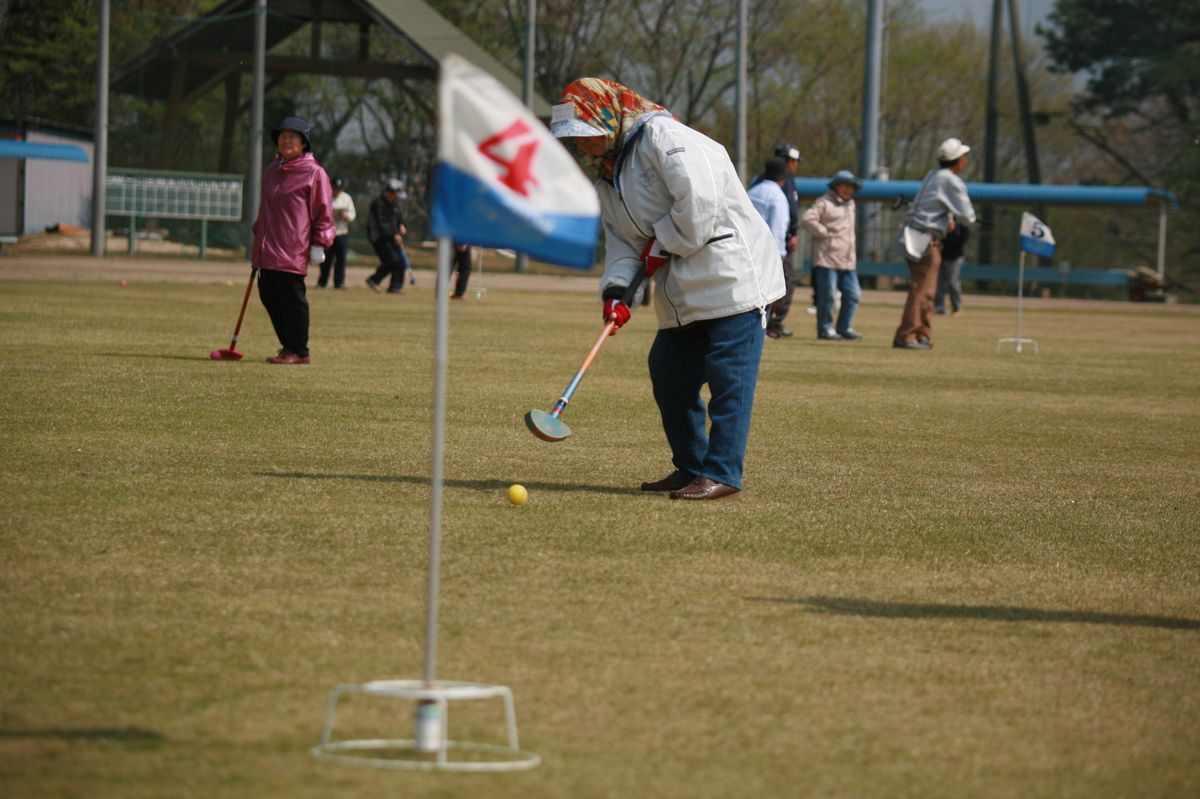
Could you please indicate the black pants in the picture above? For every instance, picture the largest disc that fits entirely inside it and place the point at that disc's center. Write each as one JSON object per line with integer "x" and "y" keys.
{"x": 393, "y": 261}
{"x": 335, "y": 259}
{"x": 780, "y": 309}
{"x": 462, "y": 265}
{"x": 282, "y": 294}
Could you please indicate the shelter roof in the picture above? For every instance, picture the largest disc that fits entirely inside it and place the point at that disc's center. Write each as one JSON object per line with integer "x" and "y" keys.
{"x": 222, "y": 42}
{"x": 47, "y": 152}
{"x": 1007, "y": 193}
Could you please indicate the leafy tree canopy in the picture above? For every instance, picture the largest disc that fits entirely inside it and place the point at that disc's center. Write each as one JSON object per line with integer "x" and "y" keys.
{"x": 1131, "y": 52}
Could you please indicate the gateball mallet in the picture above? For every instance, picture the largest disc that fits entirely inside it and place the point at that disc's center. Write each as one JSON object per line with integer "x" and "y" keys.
{"x": 550, "y": 426}
{"x": 231, "y": 353}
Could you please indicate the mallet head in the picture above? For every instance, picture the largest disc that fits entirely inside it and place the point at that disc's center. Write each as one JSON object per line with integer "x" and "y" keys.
{"x": 226, "y": 355}
{"x": 546, "y": 426}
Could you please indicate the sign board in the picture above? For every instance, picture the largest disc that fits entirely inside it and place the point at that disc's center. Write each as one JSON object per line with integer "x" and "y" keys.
{"x": 179, "y": 195}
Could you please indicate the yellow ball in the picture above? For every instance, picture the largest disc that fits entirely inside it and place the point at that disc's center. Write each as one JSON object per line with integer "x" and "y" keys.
{"x": 517, "y": 494}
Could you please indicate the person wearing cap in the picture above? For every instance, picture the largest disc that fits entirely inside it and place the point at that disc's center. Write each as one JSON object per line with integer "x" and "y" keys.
{"x": 335, "y": 256}
{"x": 831, "y": 223}
{"x": 940, "y": 206}
{"x": 769, "y": 198}
{"x": 671, "y": 199}
{"x": 385, "y": 231}
{"x": 294, "y": 225}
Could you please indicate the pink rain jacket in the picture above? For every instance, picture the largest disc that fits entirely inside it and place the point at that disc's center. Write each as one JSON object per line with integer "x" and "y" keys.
{"x": 294, "y": 215}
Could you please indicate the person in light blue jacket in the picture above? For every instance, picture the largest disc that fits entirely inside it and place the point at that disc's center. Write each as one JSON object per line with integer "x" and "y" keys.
{"x": 670, "y": 198}
{"x": 769, "y": 197}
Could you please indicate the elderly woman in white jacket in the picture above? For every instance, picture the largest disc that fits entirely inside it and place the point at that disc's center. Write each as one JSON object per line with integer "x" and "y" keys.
{"x": 670, "y": 197}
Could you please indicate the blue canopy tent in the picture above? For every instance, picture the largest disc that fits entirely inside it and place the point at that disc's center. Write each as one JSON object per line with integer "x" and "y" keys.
{"x": 1024, "y": 195}
{"x": 49, "y": 152}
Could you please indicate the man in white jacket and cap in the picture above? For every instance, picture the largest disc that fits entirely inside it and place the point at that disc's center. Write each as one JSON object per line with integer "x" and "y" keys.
{"x": 670, "y": 197}
{"x": 940, "y": 205}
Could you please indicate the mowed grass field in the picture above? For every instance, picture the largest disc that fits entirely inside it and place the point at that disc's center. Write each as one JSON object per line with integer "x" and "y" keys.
{"x": 955, "y": 573}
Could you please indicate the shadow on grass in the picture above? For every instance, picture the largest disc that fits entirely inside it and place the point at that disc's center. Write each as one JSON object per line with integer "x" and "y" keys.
{"x": 475, "y": 485}
{"x": 121, "y": 734}
{"x": 850, "y": 606}
{"x": 152, "y": 355}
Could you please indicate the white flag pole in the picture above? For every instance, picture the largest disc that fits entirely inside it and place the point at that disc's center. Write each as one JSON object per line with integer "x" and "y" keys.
{"x": 437, "y": 468}
{"x": 1020, "y": 294}
{"x": 1018, "y": 342}
{"x": 431, "y": 747}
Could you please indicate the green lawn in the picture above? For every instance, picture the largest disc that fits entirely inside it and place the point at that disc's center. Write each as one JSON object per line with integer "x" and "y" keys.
{"x": 954, "y": 574}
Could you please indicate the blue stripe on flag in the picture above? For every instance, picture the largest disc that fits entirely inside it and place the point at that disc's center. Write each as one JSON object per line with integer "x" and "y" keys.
{"x": 472, "y": 212}
{"x": 1038, "y": 247}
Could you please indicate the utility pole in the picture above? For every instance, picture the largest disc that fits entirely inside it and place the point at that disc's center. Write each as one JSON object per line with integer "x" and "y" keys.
{"x": 1032, "y": 168}
{"x": 868, "y": 162}
{"x": 253, "y": 179}
{"x": 100, "y": 147}
{"x": 740, "y": 123}
{"x": 989, "y": 137}
{"x": 527, "y": 87}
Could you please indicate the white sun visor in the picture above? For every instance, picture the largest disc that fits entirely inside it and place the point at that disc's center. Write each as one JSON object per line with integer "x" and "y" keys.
{"x": 563, "y": 123}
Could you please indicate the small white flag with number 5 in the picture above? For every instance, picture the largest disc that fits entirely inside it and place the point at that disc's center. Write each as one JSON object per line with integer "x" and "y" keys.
{"x": 1036, "y": 238}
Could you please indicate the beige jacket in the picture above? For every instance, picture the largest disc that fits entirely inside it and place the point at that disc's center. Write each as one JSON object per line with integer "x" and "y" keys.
{"x": 830, "y": 222}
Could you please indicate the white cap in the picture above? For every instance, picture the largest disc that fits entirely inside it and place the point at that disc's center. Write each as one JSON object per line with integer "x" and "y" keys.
{"x": 952, "y": 150}
{"x": 395, "y": 185}
{"x": 563, "y": 123}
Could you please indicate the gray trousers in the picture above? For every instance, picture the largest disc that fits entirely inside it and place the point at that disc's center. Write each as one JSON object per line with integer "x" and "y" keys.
{"x": 949, "y": 281}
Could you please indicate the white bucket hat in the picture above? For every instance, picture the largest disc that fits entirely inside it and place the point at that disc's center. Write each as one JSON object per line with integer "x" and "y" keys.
{"x": 952, "y": 150}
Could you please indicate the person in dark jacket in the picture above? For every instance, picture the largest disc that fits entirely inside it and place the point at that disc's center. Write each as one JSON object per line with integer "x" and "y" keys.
{"x": 461, "y": 265}
{"x": 385, "y": 231}
{"x": 949, "y": 278}
{"x": 775, "y": 327}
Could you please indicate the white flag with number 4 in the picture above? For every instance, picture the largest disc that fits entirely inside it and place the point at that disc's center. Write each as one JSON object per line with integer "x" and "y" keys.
{"x": 502, "y": 179}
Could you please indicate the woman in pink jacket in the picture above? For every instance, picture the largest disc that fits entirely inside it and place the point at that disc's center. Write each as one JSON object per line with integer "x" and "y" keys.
{"x": 294, "y": 226}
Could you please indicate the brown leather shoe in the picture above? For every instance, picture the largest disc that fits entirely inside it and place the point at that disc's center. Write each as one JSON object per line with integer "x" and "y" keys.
{"x": 703, "y": 488}
{"x": 672, "y": 482}
{"x": 289, "y": 358}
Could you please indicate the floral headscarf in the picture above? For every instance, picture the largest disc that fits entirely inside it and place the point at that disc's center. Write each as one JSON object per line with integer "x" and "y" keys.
{"x": 612, "y": 108}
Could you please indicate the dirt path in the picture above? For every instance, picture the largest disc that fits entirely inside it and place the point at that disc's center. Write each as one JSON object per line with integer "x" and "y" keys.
{"x": 85, "y": 268}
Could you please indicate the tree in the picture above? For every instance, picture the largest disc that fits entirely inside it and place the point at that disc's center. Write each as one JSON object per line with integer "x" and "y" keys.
{"x": 1141, "y": 104}
{"x": 48, "y": 60}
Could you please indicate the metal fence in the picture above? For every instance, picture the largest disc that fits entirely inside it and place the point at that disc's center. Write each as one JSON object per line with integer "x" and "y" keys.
{"x": 148, "y": 193}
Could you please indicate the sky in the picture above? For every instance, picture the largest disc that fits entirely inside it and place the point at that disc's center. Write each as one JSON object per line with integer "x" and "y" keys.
{"x": 980, "y": 11}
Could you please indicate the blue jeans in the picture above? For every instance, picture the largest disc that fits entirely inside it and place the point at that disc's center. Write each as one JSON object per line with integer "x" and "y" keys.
{"x": 724, "y": 353}
{"x": 949, "y": 280}
{"x": 825, "y": 282}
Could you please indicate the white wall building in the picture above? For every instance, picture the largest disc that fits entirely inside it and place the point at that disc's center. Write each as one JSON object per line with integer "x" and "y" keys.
{"x": 35, "y": 193}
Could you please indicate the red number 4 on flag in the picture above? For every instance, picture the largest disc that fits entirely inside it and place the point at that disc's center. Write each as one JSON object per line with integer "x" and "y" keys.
{"x": 517, "y": 172}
